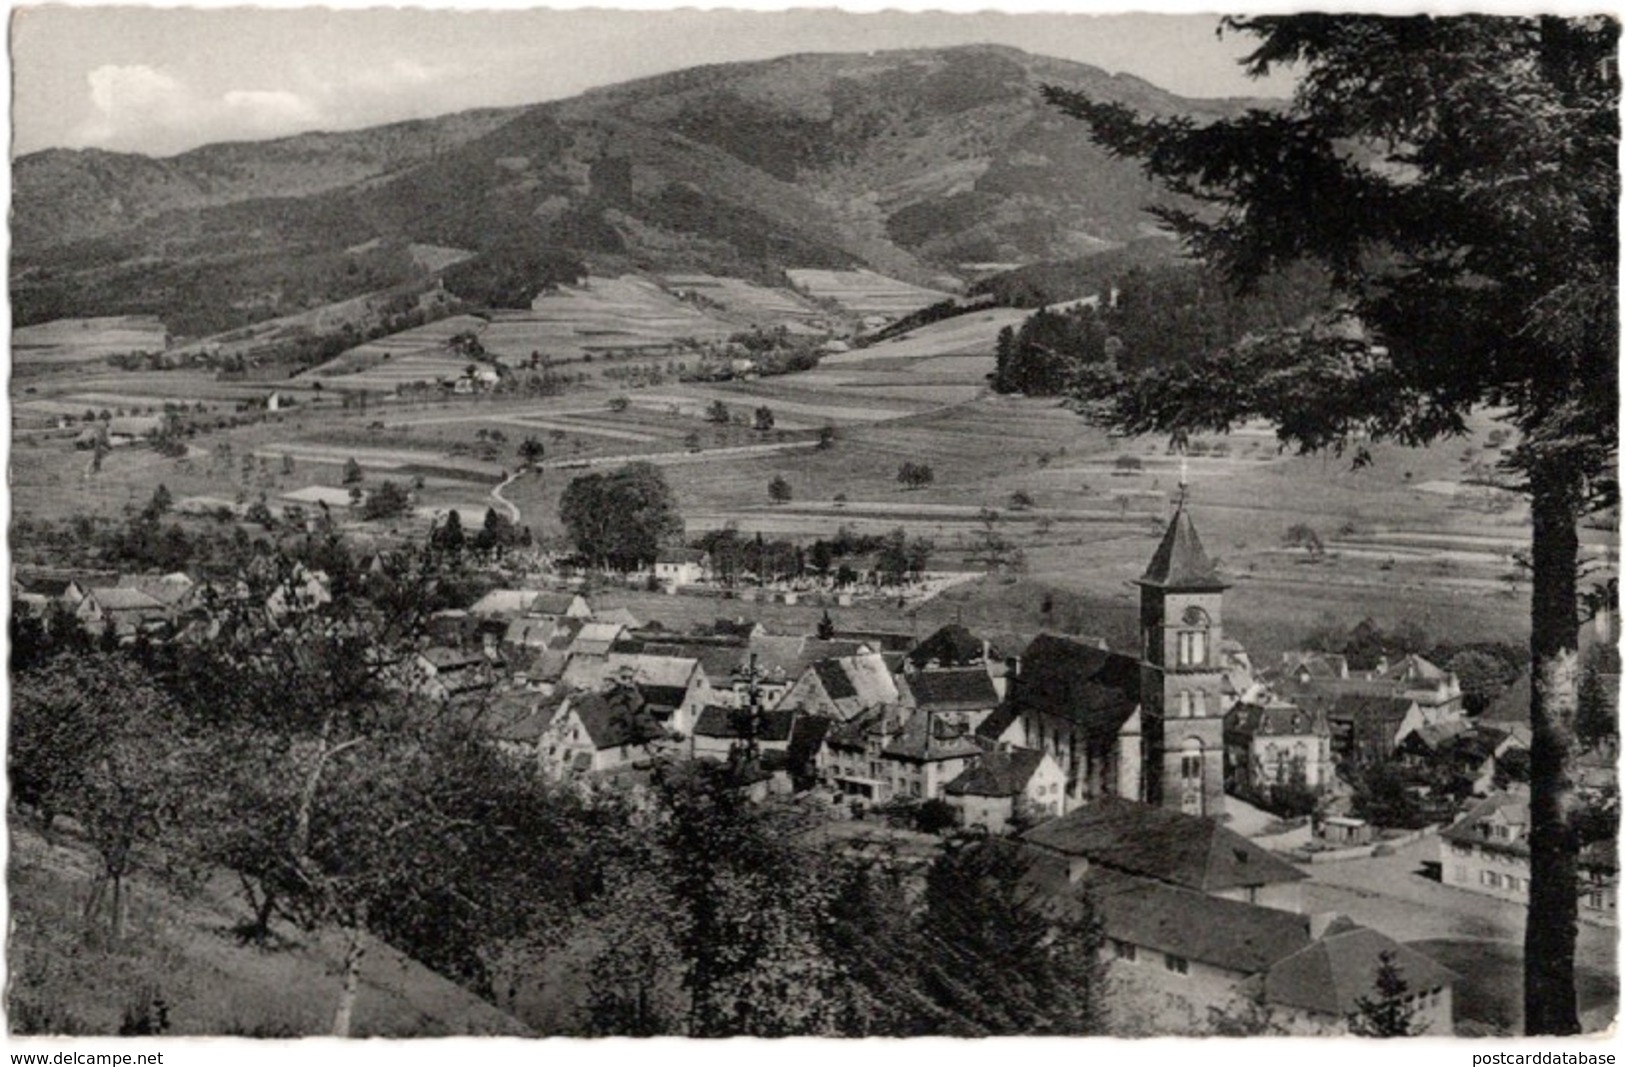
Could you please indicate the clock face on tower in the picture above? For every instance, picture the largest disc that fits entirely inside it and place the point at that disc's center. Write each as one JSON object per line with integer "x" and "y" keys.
{"x": 1194, "y": 616}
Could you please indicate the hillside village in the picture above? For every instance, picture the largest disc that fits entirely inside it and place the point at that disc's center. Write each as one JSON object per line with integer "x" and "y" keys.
{"x": 1135, "y": 777}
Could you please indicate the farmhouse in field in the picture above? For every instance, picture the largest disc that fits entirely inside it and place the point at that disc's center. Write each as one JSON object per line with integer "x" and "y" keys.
{"x": 676, "y": 568}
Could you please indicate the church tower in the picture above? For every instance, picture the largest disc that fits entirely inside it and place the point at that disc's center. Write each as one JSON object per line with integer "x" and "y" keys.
{"x": 1181, "y": 675}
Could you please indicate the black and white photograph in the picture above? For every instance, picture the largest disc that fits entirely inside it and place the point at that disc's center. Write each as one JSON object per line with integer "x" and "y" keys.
{"x": 813, "y": 523}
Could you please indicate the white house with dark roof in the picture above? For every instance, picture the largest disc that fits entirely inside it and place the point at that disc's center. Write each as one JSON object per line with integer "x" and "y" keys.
{"x": 677, "y": 567}
{"x": 1487, "y": 852}
{"x": 1275, "y": 745}
{"x": 1002, "y": 783}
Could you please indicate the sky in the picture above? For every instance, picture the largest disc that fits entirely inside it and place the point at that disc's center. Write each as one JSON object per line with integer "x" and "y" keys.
{"x": 162, "y": 80}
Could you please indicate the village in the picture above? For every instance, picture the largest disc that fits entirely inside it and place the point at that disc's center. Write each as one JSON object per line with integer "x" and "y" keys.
{"x": 1261, "y": 836}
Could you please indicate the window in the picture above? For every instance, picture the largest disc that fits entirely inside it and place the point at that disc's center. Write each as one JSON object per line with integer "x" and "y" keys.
{"x": 1192, "y": 648}
{"x": 1490, "y": 878}
{"x": 1201, "y": 703}
{"x": 1186, "y": 703}
{"x": 1593, "y": 900}
{"x": 1124, "y": 950}
{"x": 1176, "y": 964}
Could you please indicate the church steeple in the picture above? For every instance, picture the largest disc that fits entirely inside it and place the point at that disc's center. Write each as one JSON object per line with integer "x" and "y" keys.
{"x": 1181, "y": 671}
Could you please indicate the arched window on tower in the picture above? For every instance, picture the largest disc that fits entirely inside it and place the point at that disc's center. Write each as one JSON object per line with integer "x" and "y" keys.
{"x": 1193, "y": 647}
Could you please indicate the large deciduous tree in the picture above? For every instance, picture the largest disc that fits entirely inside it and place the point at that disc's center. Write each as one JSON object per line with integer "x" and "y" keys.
{"x": 1458, "y": 180}
{"x": 622, "y": 518}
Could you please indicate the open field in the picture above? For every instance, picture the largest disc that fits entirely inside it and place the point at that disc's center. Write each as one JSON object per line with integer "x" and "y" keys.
{"x": 1394, "y": 547}
{"x": 864, "y": 292}
{"x": 86, "y": 340}
{"x": 604, "y": 314}
{"x": 753, "y": 304}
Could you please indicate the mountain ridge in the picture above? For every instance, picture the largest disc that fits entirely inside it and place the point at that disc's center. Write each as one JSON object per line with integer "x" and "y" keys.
{"x": 909, "y": 162}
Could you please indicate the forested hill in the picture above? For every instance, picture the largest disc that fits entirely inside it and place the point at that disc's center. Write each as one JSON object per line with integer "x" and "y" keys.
{"x": 913, "y": 163}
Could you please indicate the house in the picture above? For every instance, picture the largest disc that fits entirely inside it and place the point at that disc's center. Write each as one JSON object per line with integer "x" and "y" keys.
{"x": 561, "y": 604}
{"x": 452, "y": 674}
{"x": 850, "y": 761}
{"x": 926, "y": 754}
{"x": 718, "y": 729}
{"x": 504, "y": 603}
{"x": 598, "y": 732}
{"x": 1276, "y": 745}
{"x": 1487, "y": 851}
{"x": 674, "y": 688}
{"x": 596, "y": 638}
{"x": 993, "y": 790}
{"x": 1367, "y": 728}
{"x": 516, "y": 720}
{"x": 175, "y": 591}
{"x": 964, "y": 695}
{"x": 121, "y": 611}
{"x": 678, "y": 567}
{"x": 1080, "y": 704}
{"x": 843, "y": 687}
{"x": 1174, "y": 955}
{"x": 1170, "y": 847}
{"x": 952, "y": 646}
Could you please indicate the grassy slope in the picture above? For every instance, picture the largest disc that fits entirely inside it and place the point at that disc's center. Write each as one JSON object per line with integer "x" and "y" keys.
{"x": 68, "y": 977}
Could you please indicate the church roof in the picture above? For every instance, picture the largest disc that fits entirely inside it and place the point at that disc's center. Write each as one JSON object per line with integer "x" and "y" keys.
{"x": 1180, "y": 562}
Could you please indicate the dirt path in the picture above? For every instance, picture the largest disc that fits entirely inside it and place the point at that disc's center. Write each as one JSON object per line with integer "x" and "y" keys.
{"x": 496, "y": 494}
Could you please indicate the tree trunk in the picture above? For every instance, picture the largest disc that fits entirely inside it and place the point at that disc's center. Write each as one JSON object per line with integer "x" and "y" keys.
{"x": 355, "y": 950}
{"x": 1551, "y": 926}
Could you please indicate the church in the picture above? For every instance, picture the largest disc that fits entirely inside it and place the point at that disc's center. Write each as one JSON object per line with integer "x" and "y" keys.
{"x": 1148, "y": 727}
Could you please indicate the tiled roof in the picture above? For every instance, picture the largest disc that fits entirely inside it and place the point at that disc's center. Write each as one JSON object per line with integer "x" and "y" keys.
{"x": 504, "y": 602}
{"x": 1179, "y": 561}
{"x": 552, "y": 603}
{"x": 927, "y": 738}
{"x": 1275, "y": 720}
{"x": 618, "y": 616}
{"x": 719, "y": 662}
{"x": 951, "y": 646}
{"x": 835, "y": 681}
{"x": 1089, "y": 686}
{"x": 1333, "y": 974}
{"x": 1165, "y": 845}
{"x": 958, "y": 689}
{"x": 998, "y": 774}
{"x": 1230, "y": 934}
{"x": 121, "y": 598}
{"x": 615, "y": 719}
{"x": 997, "y": 723}
{"x": 451, "y": 659}
{"x": 772, "y": 726}
{"x": 1357, "y": 706}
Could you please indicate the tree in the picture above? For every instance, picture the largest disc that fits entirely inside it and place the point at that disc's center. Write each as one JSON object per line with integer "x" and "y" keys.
{"x": 718, "y": 413}
{"x": 387, "y": 500}
{"x": 762, "y": 419}
{"x": 287, "y": 464}
{"x": 1021, "y": 500}
{"x": 1473, "y": 274}
{"x": 826, "y": 437}
{"x": 1383, "y": 1013}
{"x": 531, "y": 451}
{"x": 778, "y": 490}
{"x": 448, "y": 537}
{"x": 915, "y": 475}
{"x": 621, "y": 519}
{"x": 352, "y": 472}
{"x": 826, "y": 627}
{"x": 1302, "y": 535}
{"x": 619, "y": 403}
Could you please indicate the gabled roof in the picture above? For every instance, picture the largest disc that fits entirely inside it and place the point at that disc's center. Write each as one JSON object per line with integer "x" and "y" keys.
{"x": 1332, "y": 975}
{"x": 951, "y": 646}
{"x": 618, "y": 616}
{"x": 1168, "y": 846}
{"x": 1091, "y": 687}
{"x": 517, "y": 717}
{"x": 596, "y": 636}
{"x": 615, "y": 719}
{"x": 719, "y": 662}
{"x": 680, "y": 555}
{"x": 552, "y": 602}
{"x": 1179, "y": 561}
{"x": 1230, "y": 934}
{"x": 994, "y": 726}
{"x": 773, "y": 726}
{"x": 452, "y": 659}
{"x": 123, "y": 598}
{"x": 956, "y": 689}
{"x": 837, "y": 686}
{"x": 645, "y": 669}
{"x": 499, "y": 602}
{"x": 998, "y": 774}
{"x": 1275, "y": 720}
{"x": 926, "y": 738}
{"x": 1355, "y": 707}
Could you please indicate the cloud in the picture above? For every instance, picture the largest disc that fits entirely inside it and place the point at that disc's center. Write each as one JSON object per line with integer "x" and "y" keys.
{"x": 144, "y": 109}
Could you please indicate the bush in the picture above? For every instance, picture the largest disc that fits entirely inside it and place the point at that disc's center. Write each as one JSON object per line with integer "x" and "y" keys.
{"x": 935, "y": 817}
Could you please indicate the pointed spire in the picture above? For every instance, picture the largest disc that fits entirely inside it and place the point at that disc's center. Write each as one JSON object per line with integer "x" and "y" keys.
{"x": 1180, "y": 562}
